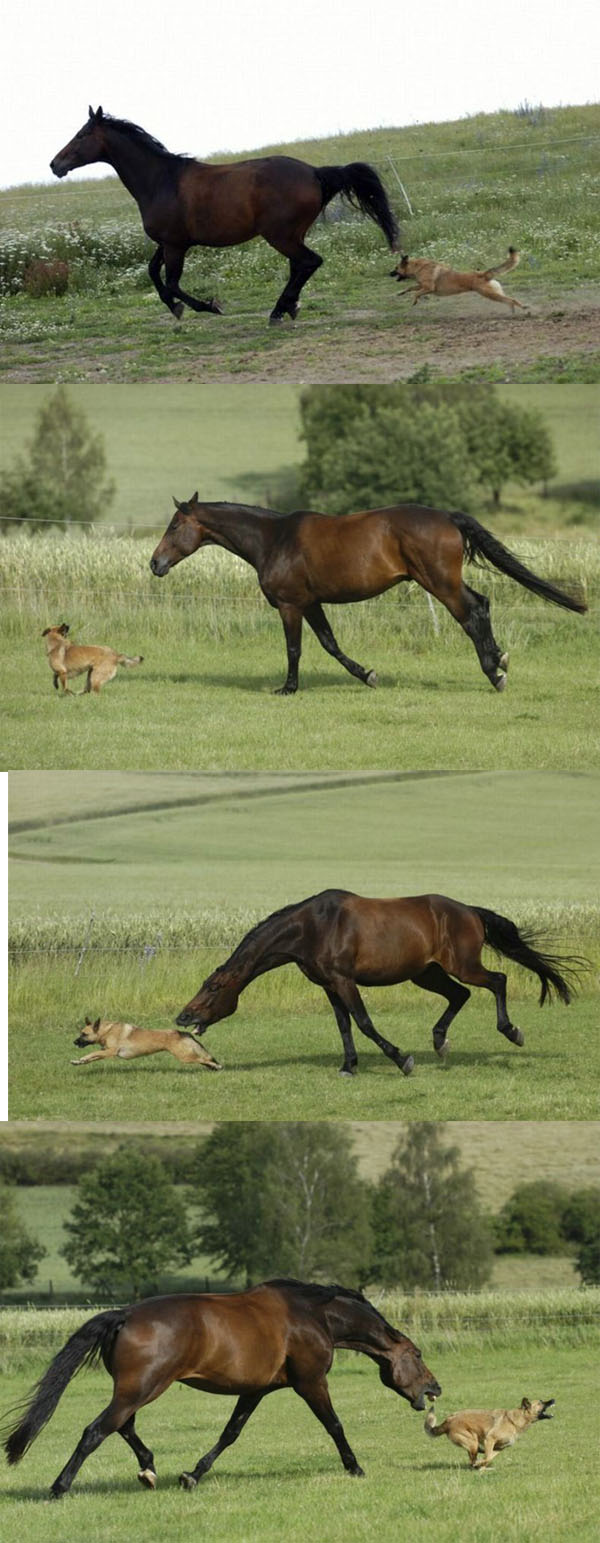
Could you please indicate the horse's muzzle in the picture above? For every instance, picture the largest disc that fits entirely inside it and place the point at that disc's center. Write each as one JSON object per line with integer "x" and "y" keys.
{"x": 58, "y": 167}
{"x": 185, "y": 1021}
{"x": 159, "y": 566}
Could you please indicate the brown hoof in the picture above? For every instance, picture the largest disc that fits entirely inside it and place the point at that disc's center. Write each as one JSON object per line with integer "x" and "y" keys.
{"x": 215, "y": 307}
{"x": 442, "y": 1050}
{"x": 147, "y": 1477}
{"x": 187, "y": 1481}
{"x": 407, "y": 1066}
{"x": 517, "y": 1037}
{"x": 178, "y": 310}
{"x": 371, "y": 679}
{"x": 499, "y": 682}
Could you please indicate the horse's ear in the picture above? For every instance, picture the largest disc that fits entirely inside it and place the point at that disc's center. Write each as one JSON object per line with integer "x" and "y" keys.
{"x": 97, "y": 116}
{"x": 177, "y": 505}
{"x": 194, "y": 498}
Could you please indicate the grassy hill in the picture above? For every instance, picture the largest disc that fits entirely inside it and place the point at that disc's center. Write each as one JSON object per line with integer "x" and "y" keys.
{"x": 525, "y": 178}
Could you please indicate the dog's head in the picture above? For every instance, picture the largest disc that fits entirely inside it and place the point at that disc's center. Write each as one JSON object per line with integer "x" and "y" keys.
{"x": 54, "y": 634}
{"x": 537, "y": 1409}
{"x": 403, "y": 270}
{"x": 90, "y": 1033}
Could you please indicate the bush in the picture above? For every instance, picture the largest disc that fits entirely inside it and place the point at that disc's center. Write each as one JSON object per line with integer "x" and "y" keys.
{"x": 46, "y": 278}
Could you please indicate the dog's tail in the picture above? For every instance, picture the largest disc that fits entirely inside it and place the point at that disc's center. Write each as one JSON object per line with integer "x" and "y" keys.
{"x": 480, "y": 544}
{"x": 360, "y": 185}
{"x": 124, "y": 659}
{"x": 513, "y": 258}
{"x": 505, "y": 938}
{"x": 93, "y": 1339}
{"x": 430, "y": 1426}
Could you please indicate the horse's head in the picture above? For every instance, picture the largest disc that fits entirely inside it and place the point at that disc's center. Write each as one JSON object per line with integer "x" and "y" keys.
{"x": 216, "y": 999}
{"x": 403, "y": 1369}
{"x": 182, "y": 537}
{"x": 88, "y": 145}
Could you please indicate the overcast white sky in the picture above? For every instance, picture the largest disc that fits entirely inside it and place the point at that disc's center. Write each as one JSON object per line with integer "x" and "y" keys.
{"x": 244, "y": 73}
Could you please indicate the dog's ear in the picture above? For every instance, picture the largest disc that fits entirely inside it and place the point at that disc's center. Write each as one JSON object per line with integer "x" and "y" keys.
{"x": 64, "y": 628}
{"x": 88, "y": 1022}
{"x": 46, "y": 631}
{"x": 526, "y": 1403}
{"x": 96, "y": 1025}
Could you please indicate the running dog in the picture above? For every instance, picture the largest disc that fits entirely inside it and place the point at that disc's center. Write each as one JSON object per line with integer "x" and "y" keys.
{"x": 489, "y": 1430}
{"x": 124, "y": 1041}
{"x": 68, "y": 659}
{"x": 437, "y": 279}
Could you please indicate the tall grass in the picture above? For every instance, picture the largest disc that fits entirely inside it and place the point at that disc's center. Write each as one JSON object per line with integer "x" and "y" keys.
{"x": 217, "y": 594}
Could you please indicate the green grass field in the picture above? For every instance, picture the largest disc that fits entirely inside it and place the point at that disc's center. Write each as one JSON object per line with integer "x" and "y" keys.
{"x": 214, "y": 652}
{"x": 283, "y": 1478}
{"x": 474, "y": 186}
{"x": 206, "y": 871}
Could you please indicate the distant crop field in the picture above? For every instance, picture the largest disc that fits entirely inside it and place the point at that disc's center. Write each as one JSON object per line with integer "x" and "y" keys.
{"x": 475, "y": 186}
{"x": 283, "y": 1478}
{"x": 124, "y": 914}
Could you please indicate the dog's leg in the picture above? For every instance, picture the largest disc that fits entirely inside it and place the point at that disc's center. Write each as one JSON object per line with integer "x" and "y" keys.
{"x": 494, "y": 291}
{"x": 95, "y": 1055}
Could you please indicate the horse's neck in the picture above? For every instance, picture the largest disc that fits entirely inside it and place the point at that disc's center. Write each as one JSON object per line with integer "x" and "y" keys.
{"x": 264, "y": 949}
{"x": 137, "y": 166}
{"x": 241, "y": 530}
{"x": 353, "y": 1327}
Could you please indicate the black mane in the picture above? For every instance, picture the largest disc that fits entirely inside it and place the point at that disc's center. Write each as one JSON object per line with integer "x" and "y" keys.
{"x": 142, "y": 137}
{"x": 316, "y": 1293}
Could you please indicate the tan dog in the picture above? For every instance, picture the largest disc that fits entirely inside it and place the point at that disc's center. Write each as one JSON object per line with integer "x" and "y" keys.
{"x": 68, "y": 659}
{"x": 437, "y": 279}
{"x": 125, "y": 1042}
{"x": 489, "y": 1430}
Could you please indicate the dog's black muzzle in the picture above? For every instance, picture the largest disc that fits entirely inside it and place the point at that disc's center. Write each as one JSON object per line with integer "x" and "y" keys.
{"x": 81, "y": 1041}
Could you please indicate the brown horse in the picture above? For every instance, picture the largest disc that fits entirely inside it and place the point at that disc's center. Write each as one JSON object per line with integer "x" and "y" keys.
{"x": 342, "y": 941}
{"x": 303, "y": 560}
{"x": 185, "y": 203}
{"x": 279, "y": 1335}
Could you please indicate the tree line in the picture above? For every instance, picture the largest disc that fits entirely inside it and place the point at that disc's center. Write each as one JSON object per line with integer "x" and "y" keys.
{"x": 265, "y": 1200}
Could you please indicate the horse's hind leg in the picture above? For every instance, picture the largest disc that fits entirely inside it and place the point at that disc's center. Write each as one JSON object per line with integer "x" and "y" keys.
{"x": 350, "y": 996}
{"x": 473, "y": 612}
{"x": 303, "y": 263}
{"x": 434, "y": 978}
{"x": 147, "y": 1473}
{"x": 244, "y": 1408}
{"x": 154, "y": 267}
{"x": 174, "y": 260}
{"x": 475, "y": 974}
{"x": 111, "y": 1419}
{"x": 317, "y": 619}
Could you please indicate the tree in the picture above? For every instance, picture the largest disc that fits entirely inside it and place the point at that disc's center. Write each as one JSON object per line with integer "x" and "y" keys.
{"x": 128, "y": 1226}
{"x": 506, "y": 443}
{"x": 430, "y": 1230}
{"x": 284, "y": 1199}
{"x": 588, "y": 1260}
{"x": 530, "y": 1221}
{"x": 580, "y": 1219}
{"x": 20, "y": 1254}
{"x": 62, "y": 475}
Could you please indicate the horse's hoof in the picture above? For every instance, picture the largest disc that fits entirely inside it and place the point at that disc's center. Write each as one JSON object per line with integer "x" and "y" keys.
{"x": 356, "y": 1473}
{"x": 407, "y": 1065}
{"x": 346, "y": 1072}
{"x": 274, "y": 319}
{"x": 503, "y": 661}
{"x": 442, "y": 1050}
{"x": 215, "y": 307}
{"x": 499, "y": 682}
{"x": 285, "y": 691}
{"x": 371, "y": 679}
{"x": 147, "y": 1477}
{"x": 187, "y": 1481}
{"x": 178, "y": 310}
{"x": 517, "y": 1037}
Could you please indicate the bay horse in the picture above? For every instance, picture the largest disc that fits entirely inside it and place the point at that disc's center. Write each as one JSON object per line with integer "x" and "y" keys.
{"x": 304, "y": 560}
{"x": 281, "y": 1334}
{"x": 341, "y": 941}
{"x": 185, "y": 203}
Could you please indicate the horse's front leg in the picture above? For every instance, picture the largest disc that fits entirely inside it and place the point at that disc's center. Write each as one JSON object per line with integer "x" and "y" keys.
{"x": 316, "y": 1395}
{"x": 174, "y": 260}
{"x": 154, "y": 267}
{"x": 291, "y": 617}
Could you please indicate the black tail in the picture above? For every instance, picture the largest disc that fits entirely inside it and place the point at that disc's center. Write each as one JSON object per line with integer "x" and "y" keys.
{"x": 505, "y": 937}
{"x": 479, "y": 542}
{"x": 94, "y": 1338}
{"x": 361, "y": 186}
